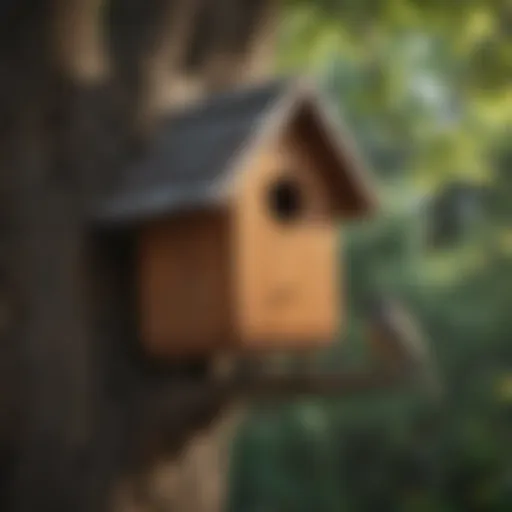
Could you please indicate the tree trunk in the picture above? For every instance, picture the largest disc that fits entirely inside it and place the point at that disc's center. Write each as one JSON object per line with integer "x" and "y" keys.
{"x": 81, "y": 85}
{"x": 193, "y": 481}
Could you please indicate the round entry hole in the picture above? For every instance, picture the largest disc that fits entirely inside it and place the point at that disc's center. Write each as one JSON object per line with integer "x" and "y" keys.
{"x": 285, "y": 200}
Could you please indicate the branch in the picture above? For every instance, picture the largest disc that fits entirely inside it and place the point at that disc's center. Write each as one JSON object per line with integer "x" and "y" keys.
{"x": 165, "y": 82}
{"x": 243, "y": 43}
{"x": 235, "y": 42}
{"x": 78, "y": 39}
{"x": 341, "y": 384}
{"x": 209, "y": 393}
{"x": 259, "y": 61}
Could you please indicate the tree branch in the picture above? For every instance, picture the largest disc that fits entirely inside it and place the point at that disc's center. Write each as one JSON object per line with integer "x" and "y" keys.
{"x": 341, "y": 384}
{"x": 166, "y": 83}
{"x": 78, "y": 40}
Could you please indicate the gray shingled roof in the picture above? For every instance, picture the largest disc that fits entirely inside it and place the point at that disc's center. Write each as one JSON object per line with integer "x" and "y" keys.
{"x": 191, "y": 149}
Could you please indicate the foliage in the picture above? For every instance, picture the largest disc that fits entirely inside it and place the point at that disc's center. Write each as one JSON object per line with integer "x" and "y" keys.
{"x": 426, "y": 87}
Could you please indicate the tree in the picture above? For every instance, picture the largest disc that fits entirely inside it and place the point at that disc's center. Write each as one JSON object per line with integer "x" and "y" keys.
{"x": 83, "y": 81}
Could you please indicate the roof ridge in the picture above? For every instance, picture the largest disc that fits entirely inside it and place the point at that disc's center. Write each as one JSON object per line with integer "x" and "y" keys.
{"x": 229, "y": 99}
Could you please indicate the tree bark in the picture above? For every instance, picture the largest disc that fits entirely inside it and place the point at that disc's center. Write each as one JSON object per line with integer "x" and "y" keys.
{"x": 192, "y": 481}
{"x": 76, "y": 103}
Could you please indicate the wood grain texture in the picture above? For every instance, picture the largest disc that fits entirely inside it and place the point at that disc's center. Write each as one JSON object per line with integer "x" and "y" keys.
{"x": 286, "y": 273}
{"x": 184, "y": 285}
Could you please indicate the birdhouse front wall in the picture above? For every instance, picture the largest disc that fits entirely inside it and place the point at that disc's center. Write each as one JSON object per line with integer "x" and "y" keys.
{"x": 285, "y": 246}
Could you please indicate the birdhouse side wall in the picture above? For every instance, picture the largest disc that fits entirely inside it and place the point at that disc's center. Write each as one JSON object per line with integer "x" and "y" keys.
{"x": 184, "y": 283}
{"x": 286, "y": 257}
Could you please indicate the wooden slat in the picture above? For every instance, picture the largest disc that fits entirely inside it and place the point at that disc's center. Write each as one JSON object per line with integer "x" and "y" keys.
{"x": 183, "y": 280}
{"x": 286, "y": 274}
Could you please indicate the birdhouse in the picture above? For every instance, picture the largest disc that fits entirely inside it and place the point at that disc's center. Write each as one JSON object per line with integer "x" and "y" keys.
{"x": 235, "y": 209}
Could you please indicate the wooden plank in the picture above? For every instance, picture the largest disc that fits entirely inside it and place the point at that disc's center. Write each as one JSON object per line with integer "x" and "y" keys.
{"x": 286, "y": 272}
{"x": 183, "y": 285}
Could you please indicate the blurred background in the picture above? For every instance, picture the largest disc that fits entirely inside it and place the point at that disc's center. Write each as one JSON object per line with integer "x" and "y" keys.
{"x": 427, "y": 88}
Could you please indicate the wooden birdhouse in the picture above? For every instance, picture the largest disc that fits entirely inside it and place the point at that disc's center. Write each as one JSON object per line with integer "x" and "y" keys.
{"x": 235, "y": 208}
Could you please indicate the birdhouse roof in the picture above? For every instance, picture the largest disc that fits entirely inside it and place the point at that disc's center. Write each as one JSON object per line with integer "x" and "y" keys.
{"x": 196, "y": 151}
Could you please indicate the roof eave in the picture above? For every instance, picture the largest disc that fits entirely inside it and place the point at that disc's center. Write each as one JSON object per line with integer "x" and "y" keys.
{"x": 164, "y": 203}
{"x": 346, "y": 152}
